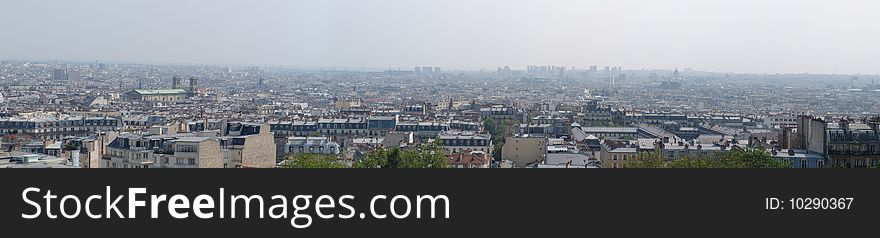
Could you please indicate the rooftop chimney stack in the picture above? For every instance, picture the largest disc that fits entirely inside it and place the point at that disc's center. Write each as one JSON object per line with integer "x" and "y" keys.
{"x": 74, "y": 158}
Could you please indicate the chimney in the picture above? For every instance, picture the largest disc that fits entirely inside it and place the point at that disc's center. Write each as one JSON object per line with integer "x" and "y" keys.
{"x": 74, "y": 157}
{"x": 874, "y": 124}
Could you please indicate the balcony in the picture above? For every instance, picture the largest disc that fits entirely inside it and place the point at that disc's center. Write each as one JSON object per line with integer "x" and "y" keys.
{"x": 135, "y": 148}
{"x": 842, "y": 152}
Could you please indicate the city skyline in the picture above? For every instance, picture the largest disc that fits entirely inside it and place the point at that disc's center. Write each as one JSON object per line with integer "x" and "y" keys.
{"x": 787, "y": 37}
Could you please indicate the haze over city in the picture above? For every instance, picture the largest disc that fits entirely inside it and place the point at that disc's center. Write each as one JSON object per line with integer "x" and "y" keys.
{"x": 439, "y": 84}
{"x": 747, "y": 36}
{"x": 567, "y": 94}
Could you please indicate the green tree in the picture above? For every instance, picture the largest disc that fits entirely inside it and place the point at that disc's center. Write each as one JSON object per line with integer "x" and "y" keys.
{"x": 498, "y": 131}
{"x": 432, "y": 155}
{"x": 646, "y": 160}
{"x": 311, "y": 161}
{"x": 752, "y": 158}
{"x": 374, "y": 159}
{"x": 429, "y": 155}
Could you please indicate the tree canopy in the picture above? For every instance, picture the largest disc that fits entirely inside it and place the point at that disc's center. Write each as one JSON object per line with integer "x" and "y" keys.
{"x": 498, "y": 130}
{"x": 429, "y": 155}
{"x": 751, "y": 158}
{"x": 312, "y": 161}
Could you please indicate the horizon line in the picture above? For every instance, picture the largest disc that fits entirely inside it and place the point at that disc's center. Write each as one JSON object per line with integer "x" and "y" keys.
{"x": 382, "y": 69}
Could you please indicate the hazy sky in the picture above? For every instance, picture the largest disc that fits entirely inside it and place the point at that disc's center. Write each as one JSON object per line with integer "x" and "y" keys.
{"x": 758, "y": 36}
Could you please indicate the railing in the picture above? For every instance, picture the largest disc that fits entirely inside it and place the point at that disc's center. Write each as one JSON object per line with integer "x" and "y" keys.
{"x": 135, "y": 148}
{"x": 841, "y": 152}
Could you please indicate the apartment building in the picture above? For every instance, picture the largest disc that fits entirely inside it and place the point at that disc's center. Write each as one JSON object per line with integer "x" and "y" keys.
{"x": 854, "y": 145}
{"x": 457, "y": 142}
{"x": 238, "y": 145}
{"x": 616, "y": 153}
{"x": 524, "y": 150}
{"x": 311, "y": 145}
{"x": 612, "y": 132}
{"x": 343, "y": 127}
{"x": 423, "y": 129}
{"x": 58, "y": 128}
{"x": 248, "y": 145}
{"x": 469, "y": 160}
{"x": 498, "y": 113}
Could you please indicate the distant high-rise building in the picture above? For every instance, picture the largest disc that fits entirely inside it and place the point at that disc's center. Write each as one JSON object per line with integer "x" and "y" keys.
{"x": 426, "y": 69}
{"x": 592, "y": 72}
{"x": 853, "y": 80}
{"x": 72, "y": 75}
{"x": 59, "y": 74}
{"x": 64, "y": 74}
{"x": 504, "y": 71}
{"x": 615, "y": 74}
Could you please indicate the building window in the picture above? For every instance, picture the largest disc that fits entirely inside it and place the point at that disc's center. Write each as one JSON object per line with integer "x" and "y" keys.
{"x": 820, "y": 164}
{"x": 804, "y": 163}
{"x": 861, "y": 163}
{"x": 187, "y": 148}
{"x": 191, "y": 161}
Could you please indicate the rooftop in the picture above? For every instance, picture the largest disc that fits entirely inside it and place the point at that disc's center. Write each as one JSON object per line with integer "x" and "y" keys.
{"x": 610, "y": 129}
{"x": 159, "y": 91}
